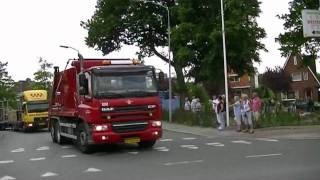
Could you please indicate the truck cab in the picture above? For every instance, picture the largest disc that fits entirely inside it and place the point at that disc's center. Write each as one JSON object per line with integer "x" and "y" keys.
{"x": 110, "y": 101}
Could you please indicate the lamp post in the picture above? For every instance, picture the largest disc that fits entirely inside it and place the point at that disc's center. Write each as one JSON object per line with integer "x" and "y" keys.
{"x": 79, "y": 55}
{"x": 225, "y": 64}
{"x": 169, "y": 52}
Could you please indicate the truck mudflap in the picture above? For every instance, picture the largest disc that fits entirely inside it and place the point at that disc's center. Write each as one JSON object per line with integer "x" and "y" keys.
{"x": 110, "y": 137}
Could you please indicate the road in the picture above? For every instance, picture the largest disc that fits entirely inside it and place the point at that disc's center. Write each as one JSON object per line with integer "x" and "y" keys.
{"x": 178, "y": 156}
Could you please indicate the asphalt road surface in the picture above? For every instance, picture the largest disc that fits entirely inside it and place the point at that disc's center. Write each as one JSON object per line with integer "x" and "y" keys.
{"x": 178, "y": 156}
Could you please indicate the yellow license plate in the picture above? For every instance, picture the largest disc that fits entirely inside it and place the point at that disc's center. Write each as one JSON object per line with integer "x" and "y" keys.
{"x": 132, "y": 140}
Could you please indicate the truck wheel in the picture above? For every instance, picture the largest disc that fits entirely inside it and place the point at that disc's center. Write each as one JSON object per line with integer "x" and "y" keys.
{"x": 146, "y": 144}
{"x": 53, "y": 132}
{"x": 82, "y": 139}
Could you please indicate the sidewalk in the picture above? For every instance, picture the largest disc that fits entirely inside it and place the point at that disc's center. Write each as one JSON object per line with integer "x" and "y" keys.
{"x": 285, "y": 132}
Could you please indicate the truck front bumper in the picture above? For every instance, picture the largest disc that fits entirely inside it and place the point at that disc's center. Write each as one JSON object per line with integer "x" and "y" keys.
{"x": 150, "y": 134}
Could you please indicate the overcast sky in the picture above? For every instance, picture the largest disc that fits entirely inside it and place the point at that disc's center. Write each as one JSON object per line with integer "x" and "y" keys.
{"x": 35, "y": 28}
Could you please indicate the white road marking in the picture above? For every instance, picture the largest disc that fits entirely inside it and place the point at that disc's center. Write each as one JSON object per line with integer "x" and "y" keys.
{"x": 18, "y": 150}
{"x": 190, "y": 146}
{"x": 49, "y": 174}
{"x": 216, "y": 144}
{"x": 66, "y": 147}
{"x": 133, "y": 152}
{"x": 182, "y": 162}
{"x": 162, "y": 149}
{"x": 92, "y": 170}
{"x": 69, "y": 156}
{"x": 267, "y": 139}
{"x": 241, "y": 142}
{"x": 6, "y": 162}
{"x": 43, "y": 148}
{"x": 264, "y": 155}
{"x": 189, "y": 138}
{"x": 166, "y": 140}
{"x": 7, "y": 178}
{"x": 37, "y": 159}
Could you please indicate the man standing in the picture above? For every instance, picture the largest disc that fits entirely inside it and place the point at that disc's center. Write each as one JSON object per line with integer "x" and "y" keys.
{"x": 246, "y": 114}
{"x": 256, "y": 107}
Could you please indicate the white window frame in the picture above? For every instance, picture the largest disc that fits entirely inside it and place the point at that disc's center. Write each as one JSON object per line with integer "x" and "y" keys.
{"x": 295, "y": 77}
{"x": 234, "y": 79}
{"x": 295, "y": 62}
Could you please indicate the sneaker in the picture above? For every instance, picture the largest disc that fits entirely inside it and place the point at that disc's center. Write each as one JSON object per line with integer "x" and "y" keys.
{"x": 245, "y": 130}
{"x": 251, "y": 131}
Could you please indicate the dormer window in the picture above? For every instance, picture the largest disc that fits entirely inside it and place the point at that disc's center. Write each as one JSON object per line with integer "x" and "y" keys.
{"x": 295, "y": 62}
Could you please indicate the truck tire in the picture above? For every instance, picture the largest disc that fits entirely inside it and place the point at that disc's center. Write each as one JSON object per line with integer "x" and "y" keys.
{"x": 147, "y": 144}
{"x": 82, "y": 139}
{"x": 53, "y": 132}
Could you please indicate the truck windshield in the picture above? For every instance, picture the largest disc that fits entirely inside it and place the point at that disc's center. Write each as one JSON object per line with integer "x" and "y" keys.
{"x": 117, "y": 85}
{"x": 37, "y": 107}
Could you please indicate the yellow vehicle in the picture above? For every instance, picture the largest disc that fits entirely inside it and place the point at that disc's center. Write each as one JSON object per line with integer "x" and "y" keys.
{"x": 32, "y": 111}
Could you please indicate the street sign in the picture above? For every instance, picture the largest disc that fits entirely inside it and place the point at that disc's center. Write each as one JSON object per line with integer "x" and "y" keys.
{"x": 311, "y": 23}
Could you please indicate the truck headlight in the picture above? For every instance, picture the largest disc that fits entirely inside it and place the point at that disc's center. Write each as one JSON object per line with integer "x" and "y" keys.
{"x": 152, "y": 106}
{"x": 156, "y": 123}
{"x": 103, "y": 127}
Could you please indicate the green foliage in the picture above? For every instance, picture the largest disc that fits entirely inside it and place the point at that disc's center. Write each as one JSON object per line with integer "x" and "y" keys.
{"x": 280, "y": 119}
{"x": 43, "y": 77}
{"x": 6, "y": 83}
{"x": 196, "y": 33}
{"x": 292, "y": 39}
{"x": 265, "y": 93}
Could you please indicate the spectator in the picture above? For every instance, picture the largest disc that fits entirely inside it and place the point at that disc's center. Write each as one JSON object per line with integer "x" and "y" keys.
{"x": 198, "y": 105}
{"x": 221, "y": 109}
{"x": 237, "y": 112}
{"x": 246, "y": 114}
{"x": 215, "y": 102}
{"x": 193, "y": 104}
{"x": 256, "y": 107}
{"x": 187, "y": 104}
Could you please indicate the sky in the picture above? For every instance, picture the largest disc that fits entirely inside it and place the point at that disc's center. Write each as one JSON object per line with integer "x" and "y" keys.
{"x": 35, "y": 28}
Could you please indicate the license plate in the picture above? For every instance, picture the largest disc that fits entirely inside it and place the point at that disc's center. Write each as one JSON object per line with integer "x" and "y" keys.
{"x": 132, "y": 140}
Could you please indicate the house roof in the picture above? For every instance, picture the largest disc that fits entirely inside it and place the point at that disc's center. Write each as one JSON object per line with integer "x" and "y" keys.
{"x": 287, "y": 60}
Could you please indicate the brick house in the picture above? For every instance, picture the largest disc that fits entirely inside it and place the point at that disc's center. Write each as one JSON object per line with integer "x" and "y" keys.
{"x": 244, "y": 84}
{"x": 304, "y": 82}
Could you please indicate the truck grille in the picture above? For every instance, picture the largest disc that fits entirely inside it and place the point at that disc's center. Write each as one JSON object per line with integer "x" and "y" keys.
{"x": 123, "y": 127}
{"x": 130, "y": 108}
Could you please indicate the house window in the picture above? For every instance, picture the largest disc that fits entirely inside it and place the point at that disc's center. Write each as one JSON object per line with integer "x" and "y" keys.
{"x": 234, "y": 79}
{"x": 296, "y": 76}
{"x": 295, "y": 60}
{"x": 305, "y": 76}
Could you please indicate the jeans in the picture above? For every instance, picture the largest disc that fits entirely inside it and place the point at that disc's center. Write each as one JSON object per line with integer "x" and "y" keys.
{"x": 247, "y": 119}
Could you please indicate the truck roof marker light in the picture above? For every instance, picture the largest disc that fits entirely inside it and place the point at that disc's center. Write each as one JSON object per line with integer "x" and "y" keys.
{"x": 106, "y": 62}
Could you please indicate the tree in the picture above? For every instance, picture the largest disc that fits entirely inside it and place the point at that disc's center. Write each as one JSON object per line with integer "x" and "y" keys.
{"x": 196, "y": 34}
{"x": 276, "y": 79}
{"x": 292, "y": 39}
{"x": 43, "y": 77}
{"x": 6, "y": 83}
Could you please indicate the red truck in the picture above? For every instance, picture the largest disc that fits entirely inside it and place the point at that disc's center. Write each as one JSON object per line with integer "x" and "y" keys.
{"x": 105, "y": 101}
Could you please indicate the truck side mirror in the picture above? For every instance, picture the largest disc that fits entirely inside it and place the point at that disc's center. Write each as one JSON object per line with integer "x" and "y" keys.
{"x": 83, "y": 90}
{"x": 83, "y": 85}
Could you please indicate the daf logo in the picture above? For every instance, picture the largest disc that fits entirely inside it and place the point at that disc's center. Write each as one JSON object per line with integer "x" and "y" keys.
{"x": 129, "y": 101}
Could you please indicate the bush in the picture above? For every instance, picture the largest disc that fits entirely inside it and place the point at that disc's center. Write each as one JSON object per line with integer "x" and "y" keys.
{"x": 279, "y": 119}
{"x": 191, "y": 119}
